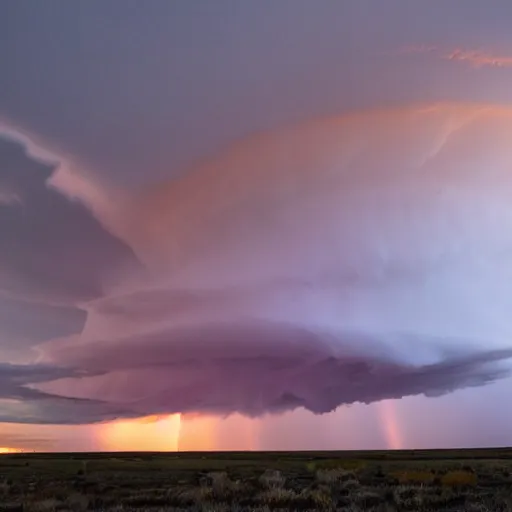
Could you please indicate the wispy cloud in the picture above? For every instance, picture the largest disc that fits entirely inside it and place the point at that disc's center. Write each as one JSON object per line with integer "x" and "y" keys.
{"x": 8, "y": 197}
{"x": 470, "y": 57}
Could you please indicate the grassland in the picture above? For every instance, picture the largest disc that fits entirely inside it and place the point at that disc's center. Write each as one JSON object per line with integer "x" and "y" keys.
{"x": 461, "y": 480}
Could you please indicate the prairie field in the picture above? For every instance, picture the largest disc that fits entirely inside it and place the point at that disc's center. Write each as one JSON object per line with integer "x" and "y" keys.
{"x": 378, "y": 481}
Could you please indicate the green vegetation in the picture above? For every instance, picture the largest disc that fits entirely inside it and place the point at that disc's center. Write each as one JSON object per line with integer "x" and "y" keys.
{"x": 452, "y": 480}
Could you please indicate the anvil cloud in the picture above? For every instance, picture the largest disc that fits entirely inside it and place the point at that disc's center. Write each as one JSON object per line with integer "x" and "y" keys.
{"x": 344, "y": 260}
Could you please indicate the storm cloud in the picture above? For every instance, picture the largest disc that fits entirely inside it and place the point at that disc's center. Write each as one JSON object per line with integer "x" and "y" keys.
{"x": 52, "y": 248}
{"x": 346, "y": 260}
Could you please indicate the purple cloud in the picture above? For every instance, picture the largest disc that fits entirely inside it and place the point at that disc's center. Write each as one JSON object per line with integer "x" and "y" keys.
{"x": 327, "y": 264}
{"x": 32, "y": 322}
{"x": 253, "y": 368}
{"x": 259, "y": 367}
{"x": 53, "y": 248}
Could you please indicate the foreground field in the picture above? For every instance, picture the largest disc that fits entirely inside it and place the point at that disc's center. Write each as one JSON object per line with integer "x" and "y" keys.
{"x": 464, "y": 480}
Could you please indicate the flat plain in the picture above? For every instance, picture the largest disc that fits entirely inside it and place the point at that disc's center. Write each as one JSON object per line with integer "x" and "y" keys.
{"x": 376, "y": 481}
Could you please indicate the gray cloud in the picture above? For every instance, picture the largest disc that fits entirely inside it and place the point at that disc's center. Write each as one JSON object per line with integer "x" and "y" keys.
{"x": 154, "y": 87}
{"x": 20, "y": 403}
{"x": 37, "y": 321}
{"x": 51, "y": 248}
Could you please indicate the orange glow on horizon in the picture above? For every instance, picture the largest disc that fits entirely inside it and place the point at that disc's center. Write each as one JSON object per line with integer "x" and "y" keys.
{"x": 152, "y": 433}
{"x": 178, "y": 432}
{"x": 215, "y": 433}
{"x": 198, "y": 433}
{"x": 4, "y": 449}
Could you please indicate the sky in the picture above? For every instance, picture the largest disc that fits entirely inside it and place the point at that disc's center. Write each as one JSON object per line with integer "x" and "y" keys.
{"x": 255, "y": 225}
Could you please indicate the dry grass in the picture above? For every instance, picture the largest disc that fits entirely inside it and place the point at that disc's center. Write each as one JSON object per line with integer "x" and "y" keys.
{"x": 277, "y": 495}
{"x": 272, "y": 479}
{"x": 334, "y": 476}
{"x": 237, "y": 482}
{"x": 414, "y": 477}
{"x": 459, "y": 478}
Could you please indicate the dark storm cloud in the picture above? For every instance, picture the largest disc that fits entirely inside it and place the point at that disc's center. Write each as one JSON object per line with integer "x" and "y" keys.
{"x": 201, "y": 369}
{"x": 22, "y": 404}
{"x": 51, "y": 248}
{"x": 48, "y": 410}
{"x": 277, "y": 280}
{"x": 259, "y": 367}
{"x": 14, "y": 378}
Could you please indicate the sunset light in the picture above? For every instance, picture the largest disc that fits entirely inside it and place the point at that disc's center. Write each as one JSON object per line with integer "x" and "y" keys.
{"x": 255, "y": 255}
{"x": 9, "y": 450}
{"x": 146, "y": 434}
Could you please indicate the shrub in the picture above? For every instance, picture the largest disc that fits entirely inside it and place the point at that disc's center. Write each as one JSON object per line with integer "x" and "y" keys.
{"x": 459, "y": 478}
{"x": 77, "y": 502}
{"x": 347, "y": 464}
{"x": 215, "y": 507}
{"x": 272, "y": 479}
{"x": 415, "y": 477}
{"x": 221, "y": 483}
{"x": 277, "y": 496}
{"x": 415, "y": 497}
{"x": 350, "y": 485}
{"x": 215, "y": 487}
{"x": 194, "y": 495}
{"x": 334, "y": 476}
{"x": 49, "y": 505}
{"x": 320, "y": 498}
{"x": 5, "y": 488}
{"x": 311, "y": 466}
{"x": 367, "y": 499}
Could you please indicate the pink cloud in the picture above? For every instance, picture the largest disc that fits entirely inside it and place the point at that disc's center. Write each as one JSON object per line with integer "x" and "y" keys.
{"x": 473, "y": 58}
{"x": 479, "y": 58}
{"x": 343, "y": 260}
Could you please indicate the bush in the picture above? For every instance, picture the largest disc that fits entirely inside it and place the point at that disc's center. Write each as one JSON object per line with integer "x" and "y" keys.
{"x": 278, "y": 496}
{"x": 414, "y": 477}
{"x": 334, "y": 476}
{"x": 49, "y": 505}
{"x": 77, "y": 502}
{"x": 4, "y": 488}
{"x": 459, "y": 478}
{"x": 215, "y": 487}
{"x": 272, "y": 479}
{"x": 412, "y": 497}
{"x": 350, "y": 485}
{"x": 320, "y": 498}
{"x": 195, "y": 495}
{"x": 221, "y": 484}
{"x": 367, "y": 499}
